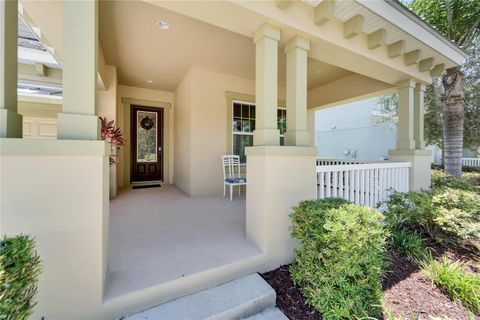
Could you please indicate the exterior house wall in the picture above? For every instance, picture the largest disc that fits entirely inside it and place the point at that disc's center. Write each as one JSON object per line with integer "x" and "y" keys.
{"x": 349, "y": 128}
{"x": 202, "y": 128}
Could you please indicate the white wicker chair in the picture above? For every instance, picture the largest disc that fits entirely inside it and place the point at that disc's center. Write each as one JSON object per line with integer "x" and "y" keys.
{"x": 231, "y": 174}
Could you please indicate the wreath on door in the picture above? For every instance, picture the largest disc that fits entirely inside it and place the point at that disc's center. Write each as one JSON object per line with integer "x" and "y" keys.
{"x": 147, "y": 123}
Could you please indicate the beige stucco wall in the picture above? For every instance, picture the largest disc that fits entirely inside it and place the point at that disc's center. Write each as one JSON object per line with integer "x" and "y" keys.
{"x": 150, "y": 95}
{"x": 71, "y": 227}
{"x": 201, "y": 128}
{"x": 182, "y": 134}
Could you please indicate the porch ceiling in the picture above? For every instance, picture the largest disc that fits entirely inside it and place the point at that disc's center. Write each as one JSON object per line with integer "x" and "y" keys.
{"x": 141, "y": 51}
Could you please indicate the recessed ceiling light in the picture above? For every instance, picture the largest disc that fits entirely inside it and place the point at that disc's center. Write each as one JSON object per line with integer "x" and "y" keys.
{"x": 149, "y": 81}
{"x": 164, "y": 25}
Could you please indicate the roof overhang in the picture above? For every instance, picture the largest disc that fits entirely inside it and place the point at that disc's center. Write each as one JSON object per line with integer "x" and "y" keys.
{"x": 399, "y": 15}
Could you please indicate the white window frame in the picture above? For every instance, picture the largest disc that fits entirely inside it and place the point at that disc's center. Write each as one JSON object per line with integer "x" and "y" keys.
{"x": 246, "y": 133}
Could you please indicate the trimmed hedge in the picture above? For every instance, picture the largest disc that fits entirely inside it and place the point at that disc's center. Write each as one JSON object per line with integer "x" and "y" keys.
{"x": 19, "y": 270}
{"x": 341, "y": 257}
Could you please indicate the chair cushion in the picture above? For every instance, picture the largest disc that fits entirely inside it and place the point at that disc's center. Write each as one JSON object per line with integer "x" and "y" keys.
{"x": 236, "y": 180}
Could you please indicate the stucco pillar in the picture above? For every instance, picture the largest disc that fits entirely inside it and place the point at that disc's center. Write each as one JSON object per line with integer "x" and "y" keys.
{"x": 405, "y": 139}
{"x": 78, "y": 119}
{"x": 296, "y": 51}
{"x": 410, "y": 144}
{"x": 10, "y": 120}
{"x": 266, "y": 56}
{"x": 311, "y": 128}
{"x": 418, "y": 114}
{"x": 279, "y": 177}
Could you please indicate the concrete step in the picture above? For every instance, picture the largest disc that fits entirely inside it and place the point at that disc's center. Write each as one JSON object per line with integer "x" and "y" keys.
{"x": 269, "y": 314}
{"x": 237, "y": 299}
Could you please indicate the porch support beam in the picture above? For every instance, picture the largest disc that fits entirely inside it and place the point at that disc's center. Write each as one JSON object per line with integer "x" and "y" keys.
{"x": 266, "y": 56}
{"x": 376, "y": 39}
{"x": 10, "y": 120}
{"x": 412, "y": 57}
{"x": 405, "y": 115}
{"x": 324, "y": 12}
{"x": 78, "y": 119}
{"x": 438, "y": 70}
{"x": 353, "y": 26}
{"x": 418, "y": 116}
{"x": 426, "y": 64}
{"x": 396, "y": 49}
{"x": 297, "y": 133}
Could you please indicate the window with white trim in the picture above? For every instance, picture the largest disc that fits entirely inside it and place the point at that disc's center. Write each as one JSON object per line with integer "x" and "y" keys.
{"x": 243, "y": 125}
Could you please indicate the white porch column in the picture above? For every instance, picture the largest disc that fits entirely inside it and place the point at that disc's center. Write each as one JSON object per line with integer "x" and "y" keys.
{"x": 78, "y": 119}
{"x": 419, "y": 109}
{"x": 266, "y": 56}
{"x": 410, "y": 144}
{"x": 296, "y": 51}
{"x": 405, "y": 140}
{"x": 10, "y": 120}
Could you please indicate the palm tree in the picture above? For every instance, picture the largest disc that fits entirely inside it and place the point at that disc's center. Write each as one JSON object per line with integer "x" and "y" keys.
{"x": 459, "y": 21}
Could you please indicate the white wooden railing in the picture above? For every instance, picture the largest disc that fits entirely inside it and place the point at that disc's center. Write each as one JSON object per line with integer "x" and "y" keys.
{"x": 471, "y": 162}
{"x": 362, "y": 183}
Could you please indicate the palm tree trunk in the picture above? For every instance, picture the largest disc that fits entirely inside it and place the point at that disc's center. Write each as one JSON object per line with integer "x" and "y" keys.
{"x": 453, "y": 117}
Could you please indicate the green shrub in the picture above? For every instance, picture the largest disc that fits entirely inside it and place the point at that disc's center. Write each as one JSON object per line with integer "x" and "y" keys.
{"x": 411, "y": 211}
{"x": 457, "y": 216}
{"x": 408, "y": 243}
{"x": 457, "y": 283}
{"x": 340, "y": 259}
{"x": 441, "y": 180}
{"x": 446, "y": 215}
{"x": 19, "y": 269}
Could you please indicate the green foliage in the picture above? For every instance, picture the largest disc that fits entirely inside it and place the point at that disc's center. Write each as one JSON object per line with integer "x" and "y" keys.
{"x": 471, "y": 68}
{"x": 447, "y": 215}
{"x": 457, "y": 216}
{"x": 341, "y": 257}
{"x": 410, "y": 211}
{"x": 456, "y": 19}
{"x": 456, "y": 282}
{"x": 408, "y": 243}
{"x": 433, "y": 114}
{"x": 440, "y": 180}
{"x": 19, "y": 270}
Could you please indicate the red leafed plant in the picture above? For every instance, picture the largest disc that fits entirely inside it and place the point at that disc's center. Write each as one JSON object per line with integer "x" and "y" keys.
{"x": 111, "y": 135}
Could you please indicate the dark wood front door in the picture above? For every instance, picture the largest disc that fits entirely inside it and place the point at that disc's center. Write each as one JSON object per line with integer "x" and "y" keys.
{"x": 147, "y": 144}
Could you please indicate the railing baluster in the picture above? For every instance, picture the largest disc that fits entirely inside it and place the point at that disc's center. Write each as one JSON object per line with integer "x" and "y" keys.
{"x": 360, "y": 182}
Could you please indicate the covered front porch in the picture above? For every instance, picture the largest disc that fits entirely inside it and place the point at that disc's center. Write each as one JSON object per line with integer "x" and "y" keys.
{"x": 240, "y": 77}
{"x": 158, "y": 235}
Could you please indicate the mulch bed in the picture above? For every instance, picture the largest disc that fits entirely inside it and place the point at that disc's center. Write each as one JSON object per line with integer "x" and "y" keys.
{"x": 289, "y": 297}
{"x": 407, "y": 292}
{"x": 410, "y": 294}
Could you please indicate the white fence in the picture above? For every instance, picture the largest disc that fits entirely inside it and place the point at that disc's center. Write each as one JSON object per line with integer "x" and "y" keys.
{"x": 471, "y": 162}
{"x": 361, "y": 183}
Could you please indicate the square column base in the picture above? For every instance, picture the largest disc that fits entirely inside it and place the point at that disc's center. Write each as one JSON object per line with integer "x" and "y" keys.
{"x": 278, "y": 179}
{"x": 73, "y": 126}
{"x": 11, "y": 124}
{"x": 297, "y": 138}
{"x": 420, "y": 172}
{"x": 266, "y": 137}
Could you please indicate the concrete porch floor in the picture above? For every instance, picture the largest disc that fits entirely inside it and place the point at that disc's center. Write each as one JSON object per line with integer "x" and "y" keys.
{"x": 160, "y": 234}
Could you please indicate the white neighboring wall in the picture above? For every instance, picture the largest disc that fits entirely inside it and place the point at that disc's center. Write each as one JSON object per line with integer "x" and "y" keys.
{"x": 347, "y": 131}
